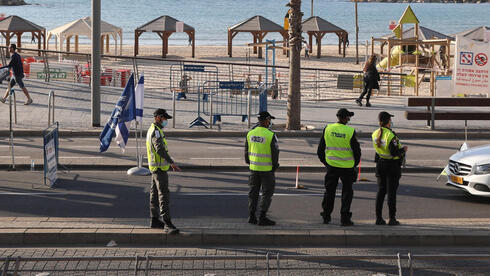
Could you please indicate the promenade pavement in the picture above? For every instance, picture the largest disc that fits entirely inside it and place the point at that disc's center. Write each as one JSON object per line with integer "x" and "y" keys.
{"x": 74, "y": 114}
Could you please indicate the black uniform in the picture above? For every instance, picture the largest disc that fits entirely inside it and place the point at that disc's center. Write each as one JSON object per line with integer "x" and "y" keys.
{"x": 346, "y": 175}
{"x": 388, "y": 173}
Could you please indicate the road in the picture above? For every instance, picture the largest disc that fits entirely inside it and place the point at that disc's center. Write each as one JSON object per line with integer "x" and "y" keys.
{"x": 221, "y": 195}
{"x": 220, "y": 151}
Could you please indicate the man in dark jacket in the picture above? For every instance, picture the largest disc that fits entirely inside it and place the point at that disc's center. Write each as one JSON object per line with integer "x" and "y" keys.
{"x": 18, "y": 74}
{"x": 340, "y": 152}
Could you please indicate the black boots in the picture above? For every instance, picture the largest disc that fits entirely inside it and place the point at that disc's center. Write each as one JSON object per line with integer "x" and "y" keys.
{"x": 380, "y": 221}
{"x": 156, "y": 223}
{"x": 170, "y": 228}
{"x": 393, "y": 222}
{"x": 359, "y": 102}
{"x": 345, "y": 220}
{"x": 326, "y": 218}
{"x": 368, "y": 104}
{"x": 252, "y": 219}
{"x": 264, "y": 221}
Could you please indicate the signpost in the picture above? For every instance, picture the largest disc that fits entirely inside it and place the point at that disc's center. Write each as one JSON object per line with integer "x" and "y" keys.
{"x": 51, "y": 146}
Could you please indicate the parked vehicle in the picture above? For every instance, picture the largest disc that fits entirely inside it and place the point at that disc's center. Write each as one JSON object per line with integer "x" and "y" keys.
{"x": 469, "y": 170}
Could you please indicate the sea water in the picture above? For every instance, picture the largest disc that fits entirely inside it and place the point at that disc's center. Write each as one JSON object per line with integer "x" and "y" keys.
{"x": 212, "y": 18}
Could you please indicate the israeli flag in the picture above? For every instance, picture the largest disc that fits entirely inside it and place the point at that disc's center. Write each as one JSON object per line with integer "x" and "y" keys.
{"x": 120, "y": 120}
{"x": 140, "y": 88}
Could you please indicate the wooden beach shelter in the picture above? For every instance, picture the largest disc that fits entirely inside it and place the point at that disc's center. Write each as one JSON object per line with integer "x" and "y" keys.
{"x": 15, "y": 26}
{"x": 423, "y": 34}
{"x": 164, "y": 26}
{"x": 83, "y": 27}
{"x": 259, "y": 27}
{"x": 318, "y": 27}
{"x": 481, "y": 33}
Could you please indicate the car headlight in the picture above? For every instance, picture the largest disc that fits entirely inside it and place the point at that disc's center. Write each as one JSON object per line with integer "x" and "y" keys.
{"x": 483, "y": 169}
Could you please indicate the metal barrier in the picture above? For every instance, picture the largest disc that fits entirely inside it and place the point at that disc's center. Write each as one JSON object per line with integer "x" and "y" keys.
{"x": 51, "y": 108}
{"x": 230, "y": 98}
{"x": 11, "y": 130}
{"x": 186, "y": 78}
{"x": 262, "y": 263}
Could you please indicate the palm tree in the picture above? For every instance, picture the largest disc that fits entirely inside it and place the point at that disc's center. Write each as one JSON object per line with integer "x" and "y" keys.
{"x": 294, "y": 93}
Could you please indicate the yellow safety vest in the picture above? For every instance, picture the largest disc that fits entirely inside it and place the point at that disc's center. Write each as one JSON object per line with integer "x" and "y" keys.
{"x": 338, "y": 152}
{"x": 155, "y": 161}
{"x": 259, "y": 149}
{"x": 383, "y": 151}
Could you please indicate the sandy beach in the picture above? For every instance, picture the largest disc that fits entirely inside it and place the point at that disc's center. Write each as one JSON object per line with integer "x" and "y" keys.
{"x": 330, "y": 58}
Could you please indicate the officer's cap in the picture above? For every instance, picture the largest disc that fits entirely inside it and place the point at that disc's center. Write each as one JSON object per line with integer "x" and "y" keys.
{"x": 384, "y": 116}
{"x": 265, "y": 115}
{"x": 344, "y": 113}
{"x": 161, "y": 112}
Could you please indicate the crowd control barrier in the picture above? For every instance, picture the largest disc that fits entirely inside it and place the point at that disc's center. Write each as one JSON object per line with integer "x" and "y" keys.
{"x": 185, "y": 78}
{"x": 230, "y": 98}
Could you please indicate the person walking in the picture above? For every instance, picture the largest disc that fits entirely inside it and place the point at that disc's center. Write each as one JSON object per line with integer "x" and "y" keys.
{"x": 371, "y": 78}
{"x": 262, "y": 155}
{"x": 184, "y": 86}
{"x": 18, "y": 74}
{"x": 389, "y": 157}
{"x": 159, "y": 162}
{"x": 340, "y": 152}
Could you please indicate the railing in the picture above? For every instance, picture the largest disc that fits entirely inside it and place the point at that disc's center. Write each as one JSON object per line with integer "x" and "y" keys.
{"x": 51, "y": 108}
{"x": 261, "y": 263}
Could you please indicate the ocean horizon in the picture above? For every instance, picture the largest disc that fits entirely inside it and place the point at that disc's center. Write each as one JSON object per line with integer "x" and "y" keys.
{"x": 211, "y": 18}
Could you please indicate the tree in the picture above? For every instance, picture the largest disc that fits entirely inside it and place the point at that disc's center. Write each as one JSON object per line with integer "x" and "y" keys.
{"x": 294, "y": 88}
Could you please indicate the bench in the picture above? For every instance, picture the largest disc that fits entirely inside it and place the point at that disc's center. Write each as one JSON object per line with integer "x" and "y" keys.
{"x": 432, "y": 115}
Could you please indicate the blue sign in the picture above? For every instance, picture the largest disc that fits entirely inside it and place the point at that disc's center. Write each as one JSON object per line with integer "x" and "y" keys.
{"x": 235, "y": 85}
{"x": 443, "y": 77}
{"x": 195, "y": 68}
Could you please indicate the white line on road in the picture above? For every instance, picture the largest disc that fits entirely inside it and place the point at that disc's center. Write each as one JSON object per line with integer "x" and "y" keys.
{"x": 215, "y": 158}
{"x": 27, "y": 194}
{"x": 244, "y": 194}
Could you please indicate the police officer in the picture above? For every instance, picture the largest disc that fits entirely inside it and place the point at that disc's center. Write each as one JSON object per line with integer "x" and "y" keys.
{"x": 262, "y": 155}
{"x": 159, "y": 161}
{"x": 389, "y": 158}
{"x": 340, "y": 152}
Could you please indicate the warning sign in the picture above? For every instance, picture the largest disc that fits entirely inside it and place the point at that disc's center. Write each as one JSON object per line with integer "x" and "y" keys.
{"x": 466, "y": 58}
{"x": 471, "y": 74}
{"x": 481, "y": 59}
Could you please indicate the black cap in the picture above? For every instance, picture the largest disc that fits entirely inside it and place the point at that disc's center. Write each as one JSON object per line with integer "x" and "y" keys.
{"x": 384, "y": 116}
{"x": 161, "y": 112}
{"x": 344, "y": 113}
{"x": 265, "y": 115}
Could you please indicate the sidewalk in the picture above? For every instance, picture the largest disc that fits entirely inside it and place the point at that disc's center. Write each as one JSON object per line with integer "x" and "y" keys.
{"x": 221, "y": 232}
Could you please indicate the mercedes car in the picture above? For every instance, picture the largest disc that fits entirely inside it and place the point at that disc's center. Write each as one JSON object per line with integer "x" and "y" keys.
{"x": 469, "y": 170}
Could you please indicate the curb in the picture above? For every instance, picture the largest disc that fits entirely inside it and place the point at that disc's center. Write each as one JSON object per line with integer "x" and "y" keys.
{"x": 446, "y": 134}
{"x": 89, "y": 167}
{"x": 283, "y": 238}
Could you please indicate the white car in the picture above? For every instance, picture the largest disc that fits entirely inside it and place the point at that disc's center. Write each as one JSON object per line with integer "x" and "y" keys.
{"x": 469, "y": 170}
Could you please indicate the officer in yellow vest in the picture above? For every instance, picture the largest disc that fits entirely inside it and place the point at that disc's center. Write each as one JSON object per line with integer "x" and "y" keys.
{"x": 340, "y": 152}
{"x": 159, "y": 162}
{"x": 262, "y": 155}
{"x": 389, "y": 158}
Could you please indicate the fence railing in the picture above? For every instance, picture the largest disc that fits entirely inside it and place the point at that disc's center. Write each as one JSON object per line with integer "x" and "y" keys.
{"x": 162, "y": 74}
{"x": 267, "y": 263}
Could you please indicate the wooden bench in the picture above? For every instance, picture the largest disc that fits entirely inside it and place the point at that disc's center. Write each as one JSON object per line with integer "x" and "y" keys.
{"x": 432, "y": 115}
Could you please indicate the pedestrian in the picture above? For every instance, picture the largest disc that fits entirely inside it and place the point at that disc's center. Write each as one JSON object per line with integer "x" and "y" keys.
{"x": 389, "y": 158}
{"x": 184, "y": 85}
{"x": 340, "y": 152}
{"x": 262, "y": 155}
{"x": 17, "y": 76}
{"x": 159, "y": 162}
{"x": 307, "y": 49}
{"x": 371, "y": 78}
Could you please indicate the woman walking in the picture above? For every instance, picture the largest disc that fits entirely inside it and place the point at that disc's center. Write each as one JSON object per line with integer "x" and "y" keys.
{"x": 389, "y": 158}
{"x": 371, "y": 78}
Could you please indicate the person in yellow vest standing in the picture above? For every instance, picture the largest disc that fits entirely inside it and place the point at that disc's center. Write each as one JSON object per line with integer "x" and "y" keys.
{"x": 340, "y": 152}
{"x": 159, "y": 162}
{"x": 262, "y": 155}
{"x": 389, "y": 158}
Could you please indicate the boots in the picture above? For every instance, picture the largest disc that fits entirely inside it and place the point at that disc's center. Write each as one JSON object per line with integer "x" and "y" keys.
{"x": 264, "y": 221}
{"x": 170, "y": 228}
{"x": 156, "y": 223}
{"x": 380, "y": 221}
{"x": 393, "y": 222}
{"x": 359, "y": 102}
{"x": 326, "y": 218}
{"x": 252, "y": 219}
{"x": 368, "y": 104}
{"x": 345, "y": 220}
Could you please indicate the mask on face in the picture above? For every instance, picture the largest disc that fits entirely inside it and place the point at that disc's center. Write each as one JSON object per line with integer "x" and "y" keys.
{"x": 164, "y": 123}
